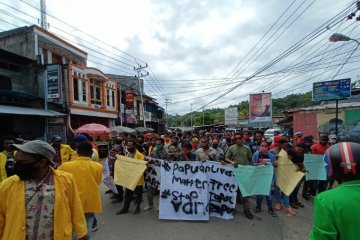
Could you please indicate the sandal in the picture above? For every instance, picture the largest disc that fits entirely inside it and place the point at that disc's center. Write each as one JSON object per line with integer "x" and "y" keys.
{"x": 294, "y": 205}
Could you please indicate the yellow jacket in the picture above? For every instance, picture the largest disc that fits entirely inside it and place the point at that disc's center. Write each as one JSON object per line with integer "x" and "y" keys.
{"x": 88, "y": 176}
{"x": 3, "y": 159}
{"x": 66, "y": 153}
{"x": 138, "y": 155}
{"x": 68, "y": 212}
{"x": 94, "y": 157}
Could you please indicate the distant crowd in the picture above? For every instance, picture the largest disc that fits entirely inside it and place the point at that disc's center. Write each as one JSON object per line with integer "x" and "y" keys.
{"x": 60, "y": 182}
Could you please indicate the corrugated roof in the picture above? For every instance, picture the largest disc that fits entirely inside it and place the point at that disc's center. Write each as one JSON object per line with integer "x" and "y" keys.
{"x": 29, "y": 111}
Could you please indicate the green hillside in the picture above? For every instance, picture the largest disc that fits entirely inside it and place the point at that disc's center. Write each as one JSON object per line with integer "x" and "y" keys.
{"x": 217, "y": 114}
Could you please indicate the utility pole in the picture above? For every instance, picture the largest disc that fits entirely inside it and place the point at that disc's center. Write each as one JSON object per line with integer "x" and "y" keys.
{"x": 44, "y": 23}
{"x": 191, "y": 117}
{"x": 203, "y": 117}
{"x": 167, "y": 101}
{"x": 140, "y": 75}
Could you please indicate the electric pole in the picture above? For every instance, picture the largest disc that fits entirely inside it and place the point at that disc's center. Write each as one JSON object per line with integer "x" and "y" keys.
{"x": 44, "y": 24}
{"x": 203, "y": 117}
{"x": 167, "y": 101}
{"x": 140, "y": 75}
{"x": 191, "y": 117}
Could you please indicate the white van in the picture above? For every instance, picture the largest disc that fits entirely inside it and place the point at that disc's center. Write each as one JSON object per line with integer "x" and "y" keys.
{"x": 270, "y": 133}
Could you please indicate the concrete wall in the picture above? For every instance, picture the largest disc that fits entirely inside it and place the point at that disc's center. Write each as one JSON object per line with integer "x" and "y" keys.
{"x": 20, "y": 42}
{"x": 24, "y": 80}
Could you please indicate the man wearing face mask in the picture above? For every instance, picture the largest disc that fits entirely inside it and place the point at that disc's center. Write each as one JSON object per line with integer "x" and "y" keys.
{"x": 262, "y": 157}
{"x": 39, "y": 202}
{"x": 158, "y": 153}
{"x": 219, "y": 152}
{"x": 133, "y": 153}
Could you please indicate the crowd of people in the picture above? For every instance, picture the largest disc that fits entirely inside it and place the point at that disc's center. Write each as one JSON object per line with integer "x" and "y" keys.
{"x": 228, "y": 148}
{"x": 60, "y": 183}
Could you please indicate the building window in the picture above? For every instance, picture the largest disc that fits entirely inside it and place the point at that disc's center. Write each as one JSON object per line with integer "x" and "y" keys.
{"x": 113, "y": 98}
{"x": 95, "y": 92}
{"x": 76, "y": 89}
{"x": 83, "y": 89}
{"x": 108, "y": 97}
{"x": 5, "y": 83}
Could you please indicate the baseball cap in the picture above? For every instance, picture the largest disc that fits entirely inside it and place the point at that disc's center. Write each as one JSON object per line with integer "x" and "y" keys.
{"x": 37, "y": 147}
{"x": 80, "y": 138}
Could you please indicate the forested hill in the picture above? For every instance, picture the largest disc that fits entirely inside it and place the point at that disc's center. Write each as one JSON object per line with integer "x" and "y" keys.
{"x": 217, "y": 114}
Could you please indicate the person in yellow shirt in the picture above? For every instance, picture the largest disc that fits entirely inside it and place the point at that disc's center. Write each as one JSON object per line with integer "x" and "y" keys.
{"x": 80, "y": 139}
{"x": 39, "y": 202}
{"x": 64, "y": 153}
{"x": 6, "y": 157}
{"x": 88, "y": 176}
{"x": 133, "y": 153}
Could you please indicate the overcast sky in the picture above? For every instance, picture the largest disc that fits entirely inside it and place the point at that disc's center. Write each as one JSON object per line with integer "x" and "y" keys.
{"x": 189, "y": 44}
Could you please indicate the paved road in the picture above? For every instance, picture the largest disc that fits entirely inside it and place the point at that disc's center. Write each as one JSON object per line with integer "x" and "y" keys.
{"x": 146, "y": 225}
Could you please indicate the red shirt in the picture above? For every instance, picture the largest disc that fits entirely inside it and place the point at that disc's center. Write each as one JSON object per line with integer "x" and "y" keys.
{"x": 319, "y": 149}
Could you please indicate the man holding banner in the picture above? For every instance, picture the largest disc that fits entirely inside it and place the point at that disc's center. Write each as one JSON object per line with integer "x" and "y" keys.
{"x": 240, "y": 154}
{"x": 158, "y": 153}
{"x": 133, "y": 153}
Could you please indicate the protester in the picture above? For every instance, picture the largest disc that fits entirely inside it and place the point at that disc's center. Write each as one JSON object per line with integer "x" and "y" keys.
{"x": 6, "y": 157}
{"x": 226, "y": 142}
{"x": 318, "y": 186}
{"x": 88, "y": 176}
{"x": 239, "y": 154}
{"x": 219, "y": 152}
{"x": 80, "y": 139}
{"x": 262, "y": 157}
{"x": 133, "y": 153}
{"x": 280, "y": 197}
{"x": 40, "y": 202}
{"x": 337, "y": 211}
{"x": 64, "y": 153}
{"x": 173, "y": 149}
{"x": 158, "y": 153}
{"x": 297, "y": 157}
{"x": 186, "y": 153}
{"x": 206, "y": 152}
{"x": 117, "y": 149}
{"x": 258, "y": 138}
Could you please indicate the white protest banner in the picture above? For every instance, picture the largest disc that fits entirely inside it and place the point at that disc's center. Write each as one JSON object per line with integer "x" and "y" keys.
{"x": 153, "y": 172}
{"x": 254, "y": 180}
{"x": 195, "y": 191}
{"x": 107, "y": 179}
{"x": 183, "y": 192}
{"x": 222, "y": 190}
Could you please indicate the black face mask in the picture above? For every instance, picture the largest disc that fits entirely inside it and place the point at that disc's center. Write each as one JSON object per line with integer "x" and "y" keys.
{"x": 24, "y": 171}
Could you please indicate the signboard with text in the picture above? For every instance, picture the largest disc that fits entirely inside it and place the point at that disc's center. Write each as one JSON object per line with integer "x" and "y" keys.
{"x": 231, "y": 116}
{"x": 53, "y": 81}
{"x": 331, "y": 90}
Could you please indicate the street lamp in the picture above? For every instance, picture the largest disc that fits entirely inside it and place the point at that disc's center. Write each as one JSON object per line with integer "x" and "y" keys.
{"x": 338, "y": 37}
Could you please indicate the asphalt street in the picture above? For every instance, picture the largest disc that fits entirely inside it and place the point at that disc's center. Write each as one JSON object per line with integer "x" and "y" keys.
{"x": 147, "y": 225}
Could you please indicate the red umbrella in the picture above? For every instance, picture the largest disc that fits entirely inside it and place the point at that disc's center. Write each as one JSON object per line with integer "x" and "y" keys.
{"x": 93, "y": 129}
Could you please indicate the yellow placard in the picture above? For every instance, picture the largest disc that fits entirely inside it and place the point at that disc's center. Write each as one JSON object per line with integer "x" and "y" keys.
{"x": 287, "y": 176}
{"x": 129, "y": 172}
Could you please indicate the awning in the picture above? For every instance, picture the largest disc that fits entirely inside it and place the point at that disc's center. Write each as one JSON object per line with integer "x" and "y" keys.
{"x": 29, "y": 111}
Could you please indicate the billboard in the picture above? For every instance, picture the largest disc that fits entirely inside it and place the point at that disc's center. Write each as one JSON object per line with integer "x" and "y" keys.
{"x": 331, "y": 90}
{"x": 231, "y": 116}
{"x": 53, "y": 81}
{"x": 260, "y": 107}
